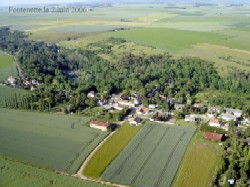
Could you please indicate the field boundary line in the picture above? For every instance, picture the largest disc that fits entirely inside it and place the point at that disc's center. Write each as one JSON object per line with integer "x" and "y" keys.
{"x": 119, "y": 169}
{"x": 149, "y": 156}
{"x": 168, "y": 160}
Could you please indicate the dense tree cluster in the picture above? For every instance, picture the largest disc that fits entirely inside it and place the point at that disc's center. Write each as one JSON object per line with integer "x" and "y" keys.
{"x": 235, "y": 162}
{"x": 67, "y": 75}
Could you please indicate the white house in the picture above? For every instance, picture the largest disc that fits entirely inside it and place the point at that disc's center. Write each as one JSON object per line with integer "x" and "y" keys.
{"x": 99, "y": 125}
{"x": 11, "y": 80}
{"x": 179, "y": 106}
{"x": 152, "y": 106}
{"x": 228, "y": 117}
{"x": 34, "y": 82}
{"x": 190, "y": 118}
{"x": 91, "y": 94}
{"x": 235, "y": 112}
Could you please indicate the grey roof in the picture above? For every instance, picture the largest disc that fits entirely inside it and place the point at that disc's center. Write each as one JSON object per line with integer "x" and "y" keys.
{"x": 228, "y": 116}
{"x": 231, "y": 110}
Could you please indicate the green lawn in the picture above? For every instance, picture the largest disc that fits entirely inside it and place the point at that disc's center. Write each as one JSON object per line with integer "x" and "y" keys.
{"x": 14, "y": 173}
{"x": 55, "y": 141}
{"x": 7, "y": 67}
{"x": 199, "y": 163}
{"x": 109, "y": 150}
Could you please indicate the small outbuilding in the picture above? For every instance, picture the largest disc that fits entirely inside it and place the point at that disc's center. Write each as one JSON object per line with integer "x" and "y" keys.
{"x": 104, "y": 126}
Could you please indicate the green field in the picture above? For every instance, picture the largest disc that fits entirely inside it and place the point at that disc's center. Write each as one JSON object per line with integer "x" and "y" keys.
{"x": 199, "y": 163}
{"x": 152, "y": 158}
{"x": 103, "y": 157}
{"x": 18, "y": 174}
{"x": 58, "y": 142}
{"x": 169, "y": 39}
{"x": 7, "y": 67}
{"x": 7, "y": 92}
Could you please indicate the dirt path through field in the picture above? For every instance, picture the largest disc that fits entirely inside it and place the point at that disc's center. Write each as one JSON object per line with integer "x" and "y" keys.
{"x": 80, "y": 175}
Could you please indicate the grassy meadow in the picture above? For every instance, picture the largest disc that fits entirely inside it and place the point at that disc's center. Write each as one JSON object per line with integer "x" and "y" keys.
{"x": 7, "y": 66}
{"x": 57, "y": 142}
{"x": 104, "y": 156}
{"x": 152, "y": 157}
{"x": 14, "y": 173}
{"x": 199, "y": 163}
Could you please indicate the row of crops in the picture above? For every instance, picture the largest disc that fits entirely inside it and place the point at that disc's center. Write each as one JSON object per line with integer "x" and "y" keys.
{"x": 57, "y": 142}
{"x": 152, "y": 157}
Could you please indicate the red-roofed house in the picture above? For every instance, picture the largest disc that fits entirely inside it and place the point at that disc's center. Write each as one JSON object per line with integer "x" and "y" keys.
{"x": 214, "y": 122}
{"x": 99, "y": 125}
{"x": 213, "y": 136}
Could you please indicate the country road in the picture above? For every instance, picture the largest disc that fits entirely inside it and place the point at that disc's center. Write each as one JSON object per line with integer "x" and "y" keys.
{"x": 80, "y": 175}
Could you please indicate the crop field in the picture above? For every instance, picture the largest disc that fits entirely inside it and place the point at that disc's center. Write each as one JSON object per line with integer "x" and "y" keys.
{"x": 57, "y": 142}
{"x": 7, "y": 66}
{"x": 6, "y": 92}
{"x": 199, "y": 163}
{"x": 103, "y": 157}
{"x": 14, "y": 173}
{"x": 152, "y": 158}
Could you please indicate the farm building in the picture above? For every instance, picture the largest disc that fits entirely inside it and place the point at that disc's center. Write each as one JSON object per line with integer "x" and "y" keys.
{"x": 213, "y": 136}
{"x": 104, "y": 126}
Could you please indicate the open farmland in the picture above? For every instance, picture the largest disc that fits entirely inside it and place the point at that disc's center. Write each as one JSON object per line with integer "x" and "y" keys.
{"x": 57, "y": 142}
{"x": 199, "y": 163}
{"x": 103, "y": 157}
{"x": 22, "y": 175}
{"x": 152, "y": 158}
{"x": 7, "y": 66}
{"x": 7, "y": 92}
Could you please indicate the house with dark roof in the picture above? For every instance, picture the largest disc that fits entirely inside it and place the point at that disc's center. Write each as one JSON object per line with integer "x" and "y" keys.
{"x": 135, "y": 121}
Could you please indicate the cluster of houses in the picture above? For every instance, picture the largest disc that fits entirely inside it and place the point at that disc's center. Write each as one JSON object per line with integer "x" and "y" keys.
{"x": 214, "y": 117}
{"x": 12, "y": 81}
